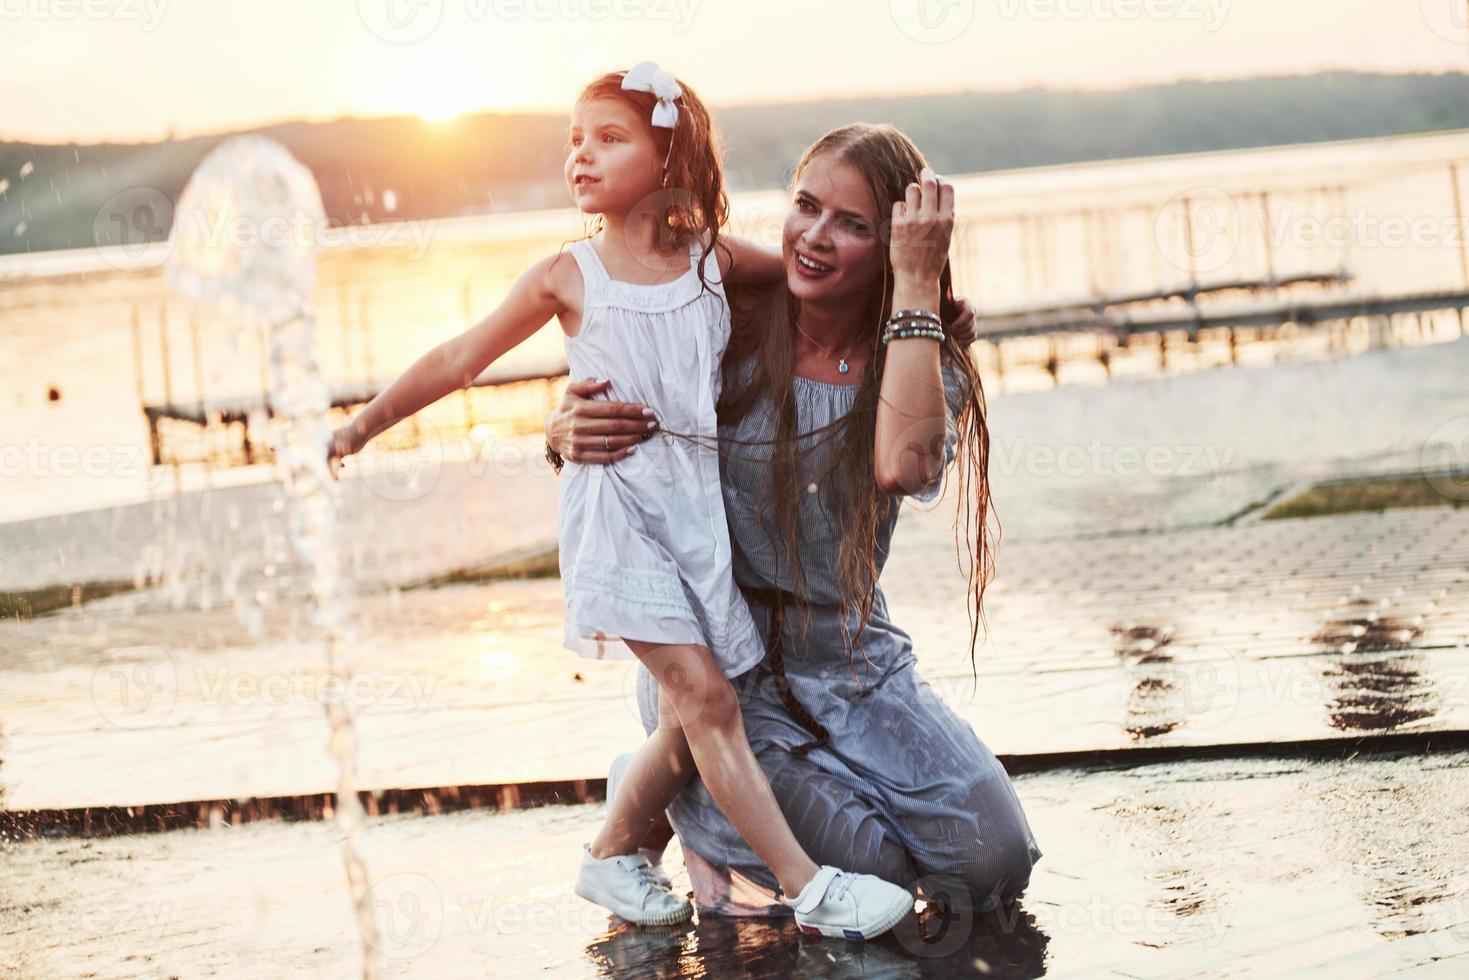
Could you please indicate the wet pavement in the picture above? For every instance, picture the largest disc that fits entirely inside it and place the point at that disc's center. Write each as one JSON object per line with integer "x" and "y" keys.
{"x": 1216, "y": 868}
{"x": 1283, "y": 630}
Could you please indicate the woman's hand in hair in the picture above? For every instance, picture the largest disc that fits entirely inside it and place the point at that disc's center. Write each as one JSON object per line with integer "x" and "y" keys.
{"x": 587, "y": 430}
{"x": 922, "y": 225}
{"x": 963, "y": 328}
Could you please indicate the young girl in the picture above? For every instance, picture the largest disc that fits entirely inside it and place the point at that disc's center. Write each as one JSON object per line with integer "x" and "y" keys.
{"x": 644, "y": 546}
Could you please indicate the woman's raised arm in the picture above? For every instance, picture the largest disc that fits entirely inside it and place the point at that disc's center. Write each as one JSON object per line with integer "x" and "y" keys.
{"x": 908, "y": 451}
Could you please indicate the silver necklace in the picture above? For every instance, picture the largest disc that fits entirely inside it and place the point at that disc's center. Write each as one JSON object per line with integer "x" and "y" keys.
{"x": 841, "y": 361}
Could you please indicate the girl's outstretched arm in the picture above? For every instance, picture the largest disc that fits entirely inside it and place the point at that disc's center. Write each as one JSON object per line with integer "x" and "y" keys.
{"x": 747, "y": 262}
{"x": 455, "y": 363}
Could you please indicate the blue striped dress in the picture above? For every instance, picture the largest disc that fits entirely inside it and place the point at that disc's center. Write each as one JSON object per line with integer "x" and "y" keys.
{"x": 902, "y": 788}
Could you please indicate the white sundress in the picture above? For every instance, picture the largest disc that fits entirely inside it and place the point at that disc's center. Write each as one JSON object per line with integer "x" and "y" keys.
{"x": 644, "y": 546}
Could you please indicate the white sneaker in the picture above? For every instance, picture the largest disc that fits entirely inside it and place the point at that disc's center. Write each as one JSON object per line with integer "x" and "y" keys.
{"x": 846, "y": 905}
{"x": 623, "y": 884}
{"x": 655, "y": 858}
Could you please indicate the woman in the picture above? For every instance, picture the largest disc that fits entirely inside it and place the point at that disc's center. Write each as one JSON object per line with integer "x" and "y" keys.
{"x": 823, "y": 429}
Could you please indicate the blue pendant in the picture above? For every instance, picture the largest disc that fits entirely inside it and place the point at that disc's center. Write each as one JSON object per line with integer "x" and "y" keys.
{"x": 842, "y": 366}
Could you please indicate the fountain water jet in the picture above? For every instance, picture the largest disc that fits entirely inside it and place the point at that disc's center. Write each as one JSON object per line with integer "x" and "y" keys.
{"x": 244, "y": 242}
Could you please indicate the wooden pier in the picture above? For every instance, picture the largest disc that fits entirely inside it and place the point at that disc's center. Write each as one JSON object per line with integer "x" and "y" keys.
{"x": 1175, "y": 325}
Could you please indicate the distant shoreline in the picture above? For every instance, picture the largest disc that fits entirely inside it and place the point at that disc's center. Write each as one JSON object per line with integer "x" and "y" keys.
{"x": 534, "y": 221}
{"x": 58, "y": 197}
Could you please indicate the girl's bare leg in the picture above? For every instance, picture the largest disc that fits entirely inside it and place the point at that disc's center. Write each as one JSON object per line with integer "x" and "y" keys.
{"x": 709, "y": 713}
{"x": 658, "y": 770}
{"x": 658, "y": 836}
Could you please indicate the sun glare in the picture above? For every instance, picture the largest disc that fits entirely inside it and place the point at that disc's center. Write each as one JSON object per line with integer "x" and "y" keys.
{"x": 442, "y": 92}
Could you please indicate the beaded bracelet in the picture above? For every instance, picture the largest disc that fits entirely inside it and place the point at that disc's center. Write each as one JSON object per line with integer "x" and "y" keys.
{"x": 904, "y": 332}
{"x": 916, "y": 315}
{"x": 554, "y": 458}
{"x": 901, "y": 333}
{"x": 911, "y": 325}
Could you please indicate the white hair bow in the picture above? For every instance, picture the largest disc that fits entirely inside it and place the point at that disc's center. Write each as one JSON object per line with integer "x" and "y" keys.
{"x": 648, "y": 77}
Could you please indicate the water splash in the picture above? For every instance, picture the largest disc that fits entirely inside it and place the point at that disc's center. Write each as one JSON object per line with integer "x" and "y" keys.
{"x": 244, "y": 242}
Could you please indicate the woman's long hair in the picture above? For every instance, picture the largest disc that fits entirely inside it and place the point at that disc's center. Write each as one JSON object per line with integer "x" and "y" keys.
{"x": 693, "y": 204}
{"x": 765, "y": 334}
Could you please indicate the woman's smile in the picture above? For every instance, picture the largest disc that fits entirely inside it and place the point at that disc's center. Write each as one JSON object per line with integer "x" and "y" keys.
{"x": 809, "y": 268}
{"x": 830, "y": 239}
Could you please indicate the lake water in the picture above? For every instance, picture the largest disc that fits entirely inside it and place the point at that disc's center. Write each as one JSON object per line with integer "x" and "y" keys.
{"x": 1382, "y": 210}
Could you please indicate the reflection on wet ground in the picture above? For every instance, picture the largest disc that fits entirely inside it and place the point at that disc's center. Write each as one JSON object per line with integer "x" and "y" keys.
{"x": 1206, "y": 868}
{"x": 1004, "y": 943}
{"x": 1153, "y": 703}
{"x": 1372, "y": 687}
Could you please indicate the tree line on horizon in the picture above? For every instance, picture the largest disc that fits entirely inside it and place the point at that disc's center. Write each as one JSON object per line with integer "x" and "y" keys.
{"x": 56, "y": 196}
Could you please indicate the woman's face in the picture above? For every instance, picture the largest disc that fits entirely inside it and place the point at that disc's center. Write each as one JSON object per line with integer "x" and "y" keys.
{"x": 612, "y": 162}
{"x": 831, "y": 242}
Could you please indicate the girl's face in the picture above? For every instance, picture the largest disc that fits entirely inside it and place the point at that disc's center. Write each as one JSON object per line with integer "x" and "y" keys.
{"x": 612, "y": 162}
{"x": 831, "y": 242}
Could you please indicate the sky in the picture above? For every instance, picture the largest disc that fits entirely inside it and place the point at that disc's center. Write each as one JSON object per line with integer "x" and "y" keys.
{"x": 92, "y": 70}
